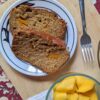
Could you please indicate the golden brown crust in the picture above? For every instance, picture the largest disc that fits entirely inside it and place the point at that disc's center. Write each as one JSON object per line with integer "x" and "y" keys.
{"x": 39, "y": 52}
{"x": 39, "y": 19}
{"x": 37, "y": 37}
{"x": 45, "y": 64}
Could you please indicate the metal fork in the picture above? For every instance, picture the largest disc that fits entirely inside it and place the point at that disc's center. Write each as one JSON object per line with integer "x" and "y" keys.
{"x": 85, "y": 41}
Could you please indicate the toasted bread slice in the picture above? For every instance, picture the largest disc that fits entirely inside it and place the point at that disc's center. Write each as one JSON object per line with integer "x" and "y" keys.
{"x": 42, "y": 20}
{"x": 40, "y": 49}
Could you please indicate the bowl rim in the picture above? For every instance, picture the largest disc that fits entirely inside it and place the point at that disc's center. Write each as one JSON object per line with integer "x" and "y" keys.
{"x": 69, "y": 75}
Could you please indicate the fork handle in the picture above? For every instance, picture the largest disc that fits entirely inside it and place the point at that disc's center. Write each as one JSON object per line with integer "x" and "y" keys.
{"x": 82, "y": 10}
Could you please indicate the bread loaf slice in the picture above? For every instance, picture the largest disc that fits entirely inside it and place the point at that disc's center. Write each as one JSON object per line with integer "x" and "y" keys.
{"x": 40, "y": 19}
{"x": 42, "y": 50}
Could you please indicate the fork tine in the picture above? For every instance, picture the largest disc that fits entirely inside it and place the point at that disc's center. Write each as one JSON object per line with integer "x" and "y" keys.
{"x": 89, "y": 54}
{"x": 83, "y": 53}
{"x": 92, "y": 55}
{"x": 86, "y": 54}
{"x": 91, "y": 58}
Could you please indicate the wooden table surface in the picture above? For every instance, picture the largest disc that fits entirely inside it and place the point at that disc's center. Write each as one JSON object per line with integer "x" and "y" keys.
{"x": 27, "y": 86}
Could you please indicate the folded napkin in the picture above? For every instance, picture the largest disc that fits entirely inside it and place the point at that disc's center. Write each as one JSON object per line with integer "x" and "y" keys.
{"x": 40, "y": 96}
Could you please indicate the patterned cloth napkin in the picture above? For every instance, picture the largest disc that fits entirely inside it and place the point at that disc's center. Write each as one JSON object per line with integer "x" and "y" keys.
{"x": 2, "y": 1}
{"x": 7, "y": 90}
{"x": 97, "y": 5}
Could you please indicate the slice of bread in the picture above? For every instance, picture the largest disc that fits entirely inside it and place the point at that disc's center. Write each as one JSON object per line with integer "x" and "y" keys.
{"x": 42, "y": 50}
{"x": 40, "y": 19}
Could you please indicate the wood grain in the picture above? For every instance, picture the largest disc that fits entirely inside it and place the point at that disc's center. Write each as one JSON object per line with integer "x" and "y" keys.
{"x": 29, "y": 86}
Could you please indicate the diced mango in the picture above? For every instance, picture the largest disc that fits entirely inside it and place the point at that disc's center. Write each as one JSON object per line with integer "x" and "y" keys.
{"x": 83, "y": 97}
{"x": 84, "y": 84}
{"x": 94, "y": 96}
{"x": 73, "y": 96}
{"x": 75, "y": 88}
{"x": 59, "y": 96}
{"x": 67, "y": 85}
{"x": 54, "y": 56}
{"x": 61, "y": 88}
{"x": 22, "y": 22}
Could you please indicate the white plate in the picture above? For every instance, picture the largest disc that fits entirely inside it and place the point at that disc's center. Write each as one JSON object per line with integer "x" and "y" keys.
{"x": 6, "y": 36}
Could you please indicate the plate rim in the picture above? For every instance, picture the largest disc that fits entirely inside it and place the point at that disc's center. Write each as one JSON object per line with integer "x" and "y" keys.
{"x": 30, "y": 73}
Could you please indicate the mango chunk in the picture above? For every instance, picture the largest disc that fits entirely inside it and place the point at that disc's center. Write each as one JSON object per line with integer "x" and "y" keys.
{"x": 84, "y": 84}
{"x": 22, "y": 22}
{"x": 67, "y": 85}
{"x": 92, "y": 94}
{"x": 54, "y": 56}
{"x": 83, "y": 97}
{"x": 59, "y": 96}
{"x": 73, "y": 96}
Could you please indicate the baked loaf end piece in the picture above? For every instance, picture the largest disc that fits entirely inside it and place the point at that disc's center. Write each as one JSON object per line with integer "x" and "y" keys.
{"x": 40, "y": 19}
{"x": 42, "y": 50}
